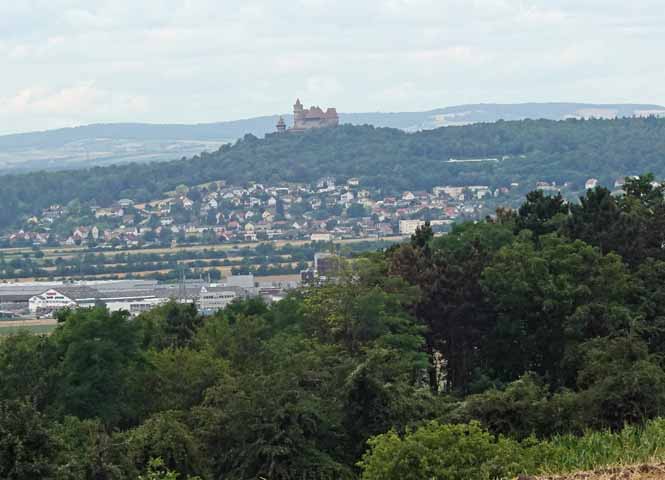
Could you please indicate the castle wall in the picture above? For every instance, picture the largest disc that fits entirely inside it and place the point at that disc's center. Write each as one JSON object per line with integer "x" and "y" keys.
{"x": 314, "y": 117}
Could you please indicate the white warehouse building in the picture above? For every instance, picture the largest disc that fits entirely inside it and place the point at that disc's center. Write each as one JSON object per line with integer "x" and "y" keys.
{"x": 57, "y": 298}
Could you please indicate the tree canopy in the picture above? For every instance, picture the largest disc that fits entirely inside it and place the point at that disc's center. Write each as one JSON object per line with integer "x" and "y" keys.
{"x": 466, "y": 355}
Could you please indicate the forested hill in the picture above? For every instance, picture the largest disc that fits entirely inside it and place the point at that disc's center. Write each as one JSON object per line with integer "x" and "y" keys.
{"x": 522, "y": 151}
{"x": 107, "y": 144}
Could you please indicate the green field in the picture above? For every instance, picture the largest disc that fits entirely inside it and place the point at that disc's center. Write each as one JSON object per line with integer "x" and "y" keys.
{"x": 34, "y": 329}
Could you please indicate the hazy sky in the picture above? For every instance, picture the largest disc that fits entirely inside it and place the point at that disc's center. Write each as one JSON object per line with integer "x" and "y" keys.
{"x": 70, "y": 62}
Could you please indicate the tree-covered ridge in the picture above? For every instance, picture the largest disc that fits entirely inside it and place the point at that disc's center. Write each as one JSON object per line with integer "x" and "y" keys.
{"x": 526, "y": 152}
{"x": 465, "y": 356}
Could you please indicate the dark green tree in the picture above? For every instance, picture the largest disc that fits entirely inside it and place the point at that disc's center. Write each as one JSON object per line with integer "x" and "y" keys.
{"x": 101, "y": 365}
{"x": 27, "y": 450}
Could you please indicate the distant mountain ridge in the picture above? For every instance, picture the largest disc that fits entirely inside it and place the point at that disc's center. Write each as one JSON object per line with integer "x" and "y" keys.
{"x": 103, "y": 144}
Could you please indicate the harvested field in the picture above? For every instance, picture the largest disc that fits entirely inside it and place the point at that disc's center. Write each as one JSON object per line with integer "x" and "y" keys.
{"x": 36, "y": 326}
{"x": 640, "y": 472}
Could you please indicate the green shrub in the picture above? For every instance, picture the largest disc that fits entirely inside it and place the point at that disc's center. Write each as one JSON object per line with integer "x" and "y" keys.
{"x": 524, "y": 408}
{"x": 453, "y": 452}
{"x": 468, "y": 452}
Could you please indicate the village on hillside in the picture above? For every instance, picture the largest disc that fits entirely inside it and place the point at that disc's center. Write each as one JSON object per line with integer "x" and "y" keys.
{"x": 329, "y": 209}
{"x": 216, "y": 212}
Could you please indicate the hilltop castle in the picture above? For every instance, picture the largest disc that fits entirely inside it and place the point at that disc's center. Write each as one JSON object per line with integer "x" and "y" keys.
{"x": 305, "y": 119}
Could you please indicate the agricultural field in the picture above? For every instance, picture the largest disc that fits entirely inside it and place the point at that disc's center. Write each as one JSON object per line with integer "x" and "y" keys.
{"x": 10, "y": 327}
{"x": 260, "y": 259}
{"x": 53, "y": 252}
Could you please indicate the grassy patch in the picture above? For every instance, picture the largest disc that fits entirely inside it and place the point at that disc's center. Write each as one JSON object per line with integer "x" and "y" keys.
{"x": 34, "y": 329}
{"x": 594, "y": 450}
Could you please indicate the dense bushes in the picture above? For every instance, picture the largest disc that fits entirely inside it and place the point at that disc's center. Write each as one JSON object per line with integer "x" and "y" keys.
{"x": 453, "y": 452}
{"x": 468, "y": 452}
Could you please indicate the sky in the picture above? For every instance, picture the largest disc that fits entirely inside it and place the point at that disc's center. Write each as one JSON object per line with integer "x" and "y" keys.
{"x": 71, "y": 62}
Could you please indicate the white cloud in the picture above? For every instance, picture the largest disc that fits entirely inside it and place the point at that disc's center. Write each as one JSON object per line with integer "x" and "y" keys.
{"x": 74, "y": 101}
{"x": 461, "y": 54}
{"x": 205, "y": 60}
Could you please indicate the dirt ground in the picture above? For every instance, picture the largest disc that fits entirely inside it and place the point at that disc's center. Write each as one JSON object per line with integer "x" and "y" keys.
{"x": 641, "y": 472}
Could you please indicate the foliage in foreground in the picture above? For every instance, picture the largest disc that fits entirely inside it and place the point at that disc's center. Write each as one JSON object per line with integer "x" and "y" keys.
{"x": 518, "y": 337}
{"x": 468, "y": 452}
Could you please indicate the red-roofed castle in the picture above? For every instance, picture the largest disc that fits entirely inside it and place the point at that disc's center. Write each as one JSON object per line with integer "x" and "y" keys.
{"x": 305, "y": 119}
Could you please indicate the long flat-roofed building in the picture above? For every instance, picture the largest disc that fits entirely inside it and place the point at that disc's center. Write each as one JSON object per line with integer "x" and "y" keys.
{"x": 134, "y": 296}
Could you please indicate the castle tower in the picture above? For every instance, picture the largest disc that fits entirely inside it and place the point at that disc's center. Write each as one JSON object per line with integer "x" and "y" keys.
{"x": 297, "y": 108}
{"x": 298, "y": 114}
{"x": 281, "y": 125}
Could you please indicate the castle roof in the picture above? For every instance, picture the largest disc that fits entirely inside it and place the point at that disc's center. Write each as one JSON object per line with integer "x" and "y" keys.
{"x": 317, "y": 112}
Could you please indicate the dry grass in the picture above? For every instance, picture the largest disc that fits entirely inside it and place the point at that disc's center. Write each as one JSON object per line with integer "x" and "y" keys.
{"x": 640, "y": 472}
{"x": 54, "y": 252}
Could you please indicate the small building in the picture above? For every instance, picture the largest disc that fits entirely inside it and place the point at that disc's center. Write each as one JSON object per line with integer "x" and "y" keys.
{"x": 327, "y": 266}
{"x": 591, "y": 183}
{"x": 216, "y": 297}
{"x": 346, "y": 197}
{"x": 409, "y": 227}
{"x": 281, "y": 125}
{"x": 455, "y": 193}
{"x": 479, "y": 191}
{"x": 353, "y": 182}
{"x": 321, "y": 237}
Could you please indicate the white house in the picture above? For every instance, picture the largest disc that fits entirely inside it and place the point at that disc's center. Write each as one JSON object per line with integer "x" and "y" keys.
{"x": 321, "y": 237}
{"x": 346, "y": 197}
{"x": 479, "y": 191}
{"x": 409, "y": 227}
{"x": 214, "y": 297}
{"x": 456, "y": 193}
{"x": 353, "y": 182}
{"x": 591, "y": 184}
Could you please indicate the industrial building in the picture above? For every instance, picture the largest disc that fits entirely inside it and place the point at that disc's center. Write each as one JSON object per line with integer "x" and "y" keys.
{"x": 41, "y": 299}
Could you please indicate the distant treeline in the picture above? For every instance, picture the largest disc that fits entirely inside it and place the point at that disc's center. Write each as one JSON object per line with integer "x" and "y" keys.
{"x": 563, "y": 151}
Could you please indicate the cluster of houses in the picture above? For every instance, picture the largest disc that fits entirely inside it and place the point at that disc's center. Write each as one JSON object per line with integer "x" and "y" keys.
{"x": 590, "y": 184}
{"x": 216, "y": 212}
